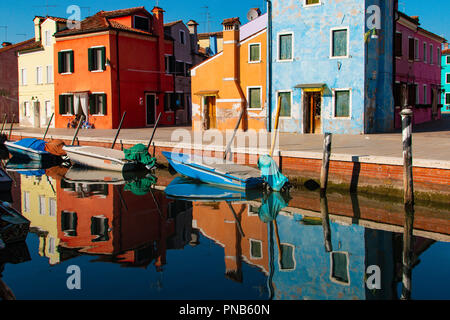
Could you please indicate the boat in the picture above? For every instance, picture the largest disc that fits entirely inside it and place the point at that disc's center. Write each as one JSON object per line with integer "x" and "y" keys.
{"x": 102, "y": 158}
{"x": 31, "y": 149}
{"x": 182, "y": 188}
{"x": 30, "y": 167}
{"x": 215, "y": 171}
{"x": 13, "y": 226}
{"x": 85, "y": 175}
{"x": 5, "y": 181}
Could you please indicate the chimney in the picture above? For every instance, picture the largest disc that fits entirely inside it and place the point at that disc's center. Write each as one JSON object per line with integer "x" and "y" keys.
{"x": 446, "y": 46}
{"x": 230, "y": 47}
{"x": 6, "y": 44}
{"x": 37, "y": 29}
{"x": 192, "y": 26}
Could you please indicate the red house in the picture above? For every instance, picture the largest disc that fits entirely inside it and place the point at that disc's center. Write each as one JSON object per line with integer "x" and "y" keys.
{"x": 112, "y": 62}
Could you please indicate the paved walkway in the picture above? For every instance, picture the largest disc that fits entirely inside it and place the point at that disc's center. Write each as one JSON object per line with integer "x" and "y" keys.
{"x": 431, "y": 142}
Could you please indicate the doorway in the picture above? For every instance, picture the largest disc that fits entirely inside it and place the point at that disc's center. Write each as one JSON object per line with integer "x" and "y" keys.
{"x": 312, "y": 112}
{"x": 210, "y": 110}
{"x": 37, "y": 114}
{"x": 150, "y": 109}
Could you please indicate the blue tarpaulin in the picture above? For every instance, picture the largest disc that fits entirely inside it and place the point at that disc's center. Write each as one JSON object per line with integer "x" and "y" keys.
{"x": 270, "y": 173}
{"x": 32, "y": 143}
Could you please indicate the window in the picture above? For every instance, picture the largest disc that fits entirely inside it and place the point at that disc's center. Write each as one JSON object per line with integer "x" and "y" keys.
{"x": 431, "y": 54}
{"x": 411, "y": 53}
{"x": 287, "y": 259}
{"x": 141, "y": 23}
{"x": 182, "y": 37}
{"x": 97, "y": 104}
{"x": 188, "y": 67}
{"x": 311, "y": 2}
{"x": 254, "y": 52}
{"x": 170, "y": 64}
{"x": 438, "y": 53}
{"x": 285, "y": 47}
{"x": 39, "y": 75}
{"x": 26, "y": 109}
{"x": 339, "y": 39}
{"x": 52, "y": 207}
{"x": 48, "y": 108}
{"x": 23, "y": 76}
{"x": 65, "y": 62}
{"x": 169, "y": 101}
{"x": 447, "y": 78}
{"x": 448, "y": 59}
{"x": 447, "y": 98}
{"x": 51, "y": 245}
{"x": 26, "y": 201}
{"x": 425, "y": 97}
{"x": 66, "y": 104}
{"x": 416, "y": 49}
{"x": 100, "y": 228}
{"x": 341, "y": 103}
{"x": 49, "y": 74}
{"x": 179, "y": 100}
{"x": 69, "y": 223}
{"x": 41, "y": 205}
{"x": 398, "y": 44}
{"x": 425, "y": 52}
{"x": 254, "y": 97}
{"x": 180, "y": 68}
{"x": 286, "y": 101}
{"x": 255, "y": 249}
{"x": 417, "y": 94}
{"x": 97, "y": 59}
{"x": 48, "y": 38}
{"x": 340, "y": 267}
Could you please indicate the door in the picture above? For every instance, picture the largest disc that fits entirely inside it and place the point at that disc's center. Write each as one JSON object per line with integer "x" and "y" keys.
{"x": 150, "y": 107}
{"x": 312, "y": 112}
{"x": 210, "y": 104}
{"x": 37, "y": 114}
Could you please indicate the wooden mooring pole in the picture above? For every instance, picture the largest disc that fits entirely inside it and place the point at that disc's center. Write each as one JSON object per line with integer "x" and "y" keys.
{"x": 11, "y": 128}
{"x": 325, "y": 163}
{"x": 78, "y": 129}
{"x": 4, "y": 123}
{"x": 326, "y": 223}
{"x": 407, "y": 256}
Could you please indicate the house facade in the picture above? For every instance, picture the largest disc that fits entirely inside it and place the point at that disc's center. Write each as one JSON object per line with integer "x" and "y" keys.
{"x": 185, "y": 56}
{"x": 114, "y": 62}
{"x": 328, "y": 73}
{"x": 211, "y": 42}
{"x": 445, "y": 79}
{"x": 234, "y": 80}
{"x": 36, "y": 74}
{"x": 418, "y": 70}
{"x": 9, "y": 80}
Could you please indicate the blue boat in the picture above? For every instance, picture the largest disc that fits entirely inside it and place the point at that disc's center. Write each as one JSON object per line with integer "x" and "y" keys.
{"x": 29, "y": 148}
{"x": 215, "y": 171}
{"x": 191, "y": 190}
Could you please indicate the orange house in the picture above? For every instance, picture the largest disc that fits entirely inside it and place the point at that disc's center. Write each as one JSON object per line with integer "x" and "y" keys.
{"x": 113, "y": 62}
{"x": 234, "y": 80}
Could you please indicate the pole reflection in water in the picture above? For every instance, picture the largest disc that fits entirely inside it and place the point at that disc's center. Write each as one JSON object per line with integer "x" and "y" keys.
{"x": 408, "y": 248}
{"x": 326, "y": 223}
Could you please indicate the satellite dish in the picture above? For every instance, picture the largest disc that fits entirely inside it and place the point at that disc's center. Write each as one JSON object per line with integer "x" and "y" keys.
{"x": 253, "y": 14}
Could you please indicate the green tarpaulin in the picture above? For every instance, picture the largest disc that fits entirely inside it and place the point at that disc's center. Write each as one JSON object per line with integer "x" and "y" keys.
{"x": 140, "y": 154}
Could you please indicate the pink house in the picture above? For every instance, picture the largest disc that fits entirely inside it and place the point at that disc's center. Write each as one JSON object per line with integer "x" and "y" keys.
{"x": 418, "y": 70}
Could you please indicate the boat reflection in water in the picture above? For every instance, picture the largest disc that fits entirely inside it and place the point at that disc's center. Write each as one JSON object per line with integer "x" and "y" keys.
{"x": 236, "y": 244}
{"x": 14, "y": 253}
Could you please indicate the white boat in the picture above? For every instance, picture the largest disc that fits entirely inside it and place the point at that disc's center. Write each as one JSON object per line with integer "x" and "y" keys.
{"x": 101, "y": 158}
{"x": 93, "y": 176}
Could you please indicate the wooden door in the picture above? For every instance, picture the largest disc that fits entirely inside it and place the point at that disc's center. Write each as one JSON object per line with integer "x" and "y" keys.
{"x": 150, "y": 105}
{"x": 211, "y": 105}
{"x": 37, "y": 114}
{"x": 312, "y": 114}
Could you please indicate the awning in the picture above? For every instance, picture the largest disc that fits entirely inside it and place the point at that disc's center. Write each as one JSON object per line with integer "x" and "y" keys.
{"x": 310, "y": 86}
{"x": 207, "y": 93}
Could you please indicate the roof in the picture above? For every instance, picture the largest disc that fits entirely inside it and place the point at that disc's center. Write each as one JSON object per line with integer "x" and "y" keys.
{"x": 32, "y": 46}
{"x": 415, "y": 20}
{"x": 170, "y": 24}
{"x": 446, "y": 51}
{"x": 101, "y": 22}
{"x": 218, "y": 34}
{"x": 231, "y": 21}
{"x": 17, "y": 45}
{"x": 57, "y": 19}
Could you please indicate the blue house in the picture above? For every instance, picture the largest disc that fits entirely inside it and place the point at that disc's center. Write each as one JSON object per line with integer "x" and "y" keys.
{"x": 445, "y": 79}
{"x": 332, "y": 66}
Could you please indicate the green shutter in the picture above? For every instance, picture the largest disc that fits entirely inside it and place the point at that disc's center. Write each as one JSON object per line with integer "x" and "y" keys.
{"x": 285, "y": 110}
{"x": 71, "y": 106}
{"x": 71, "y": 61}
{"x": 103, "y": 110}
{"x": 103, "y": 50}
{"x": 91, "y": 59}
{"x": 342, "y": 104}
{"x": 60, "y": 62}
{"x": 339, "y": 43}
{"x": 92, "y": 104}
{"x": 62, "y": 107}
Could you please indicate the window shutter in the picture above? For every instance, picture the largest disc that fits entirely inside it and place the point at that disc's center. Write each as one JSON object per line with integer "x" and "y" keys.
{"x": 71, "y": 62}
{"x": 62, "y": 107}
{"x": 103, "y": 110}
{"x": 103, "y": 50}
{"x": 92, "y": 104}
{"x": 60, "y": 62}
{"x": 71, "y": 107}
{"x": 91, "y": 59}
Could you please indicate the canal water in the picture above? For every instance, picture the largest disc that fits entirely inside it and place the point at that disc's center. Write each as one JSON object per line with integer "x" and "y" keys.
{"x": 128, "y": 241}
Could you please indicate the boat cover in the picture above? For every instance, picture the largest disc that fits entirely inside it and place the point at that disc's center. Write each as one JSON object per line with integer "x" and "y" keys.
{"x": 140, "y": 154}
{"x": 270, "y": 173}
{"x": 55, "y": 147}
{"x": 142, "y": 186}
{"x": 32, "y": 143}
{"x": 271, "y": 206}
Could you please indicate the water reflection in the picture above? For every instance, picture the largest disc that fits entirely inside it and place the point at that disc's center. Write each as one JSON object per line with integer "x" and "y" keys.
{"x": 263, "y": 246}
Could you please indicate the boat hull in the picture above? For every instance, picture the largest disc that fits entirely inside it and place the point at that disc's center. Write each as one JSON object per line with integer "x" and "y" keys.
{"x": 13, "y": 226}
{"x": 183, "y": 165}
{"x": 27, "y": 153}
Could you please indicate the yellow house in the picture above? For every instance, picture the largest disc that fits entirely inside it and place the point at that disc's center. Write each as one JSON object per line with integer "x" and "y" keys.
{"x": 36, "y": 74}
{"x": 39, "y": 206}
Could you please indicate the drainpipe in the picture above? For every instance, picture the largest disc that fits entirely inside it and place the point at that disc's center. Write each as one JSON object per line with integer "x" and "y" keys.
{"x": 269, "y": 66}
{"x": 118, "y": 73}
{"x": 394, "y": 58}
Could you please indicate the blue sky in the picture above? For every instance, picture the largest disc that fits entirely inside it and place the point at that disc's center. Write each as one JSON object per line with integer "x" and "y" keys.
{"x": 17, "y": 15}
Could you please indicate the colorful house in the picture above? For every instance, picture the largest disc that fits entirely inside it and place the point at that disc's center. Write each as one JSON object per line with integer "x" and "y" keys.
{"x": 445, "y": 79}
{"x": 233, "y": 80}
{"x": 115, "y": 61}
{"x": 211, "y": 42}
{"x": 36, "y": 74}
{"x": 9, "y": 80}
{"x": 418, "y": 70}
{"x": 330, "y": 75}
